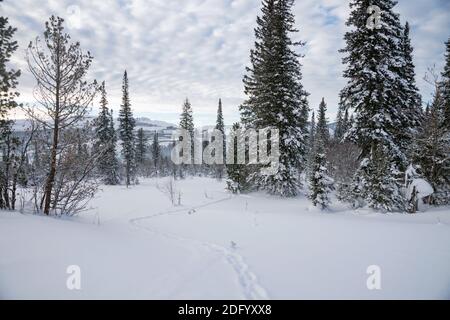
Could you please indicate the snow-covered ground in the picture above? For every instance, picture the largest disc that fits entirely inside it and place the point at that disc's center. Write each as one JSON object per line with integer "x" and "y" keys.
{"x": 135, "y": 244}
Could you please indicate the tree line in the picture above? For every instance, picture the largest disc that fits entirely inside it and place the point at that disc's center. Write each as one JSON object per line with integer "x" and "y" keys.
{"x": 382, "y": 143}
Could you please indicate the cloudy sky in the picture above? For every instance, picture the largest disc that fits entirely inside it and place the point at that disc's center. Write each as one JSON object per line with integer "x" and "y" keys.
{"x": 174, "y": 49}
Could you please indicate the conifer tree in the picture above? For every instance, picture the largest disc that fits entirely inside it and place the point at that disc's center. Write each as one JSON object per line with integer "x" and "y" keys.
{"x": 8, "y": 95}
{"x": 320, "y": 183}
{"x": 446, "y": 86}
{"x": 340, "y": 125}
{"x": 410, "y": 99}
{"x": 311, "y": 142}
{"x": 141, "y": 147}
{"x": 114, "y": 172}
{"x": 276, "y": 97}
{"x": 105, "y": 142}
{"x": 322, "y": 124}
{"x": 238, "y": 173}
{"x": 377, "y": 92}
{"x": 220, "y": 125}
{"x": 156, "y": 152}
{"x": 8, "y": 77}
{"x": 432, "y": 151}
{"x": 187, "y": 123}
{"x": 187, "y": 119}
{"x": 64, "y": 96}
{"x": 126, "y": 133}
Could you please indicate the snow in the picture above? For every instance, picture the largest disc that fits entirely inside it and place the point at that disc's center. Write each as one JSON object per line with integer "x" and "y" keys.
{"x": 422, "y": 187}
{"x": 133, "y": 244}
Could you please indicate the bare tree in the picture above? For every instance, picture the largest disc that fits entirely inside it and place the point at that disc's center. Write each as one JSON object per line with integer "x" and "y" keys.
{"x": 63, "y": 95}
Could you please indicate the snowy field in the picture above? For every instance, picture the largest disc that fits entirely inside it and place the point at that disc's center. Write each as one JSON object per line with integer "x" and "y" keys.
{"x": 135, "y": 244}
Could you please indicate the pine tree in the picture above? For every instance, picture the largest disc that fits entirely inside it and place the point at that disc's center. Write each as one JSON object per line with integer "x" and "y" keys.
{"x": 105, "y": 142}
{"x": 65, "y": 97}
{"x": 320, "y": 183}
{"x": 156, "y": 152}
{"x": 276, "y": 98}
{"x": 126, "y": 133}
{"x": 446, "y": 86}
{"x": 220, "y": 125}
{"x": 8, "y": 95}
{"x": 376, "y": 91}
{"x": 322, "y": 124}
{"x": 8, "y": 77}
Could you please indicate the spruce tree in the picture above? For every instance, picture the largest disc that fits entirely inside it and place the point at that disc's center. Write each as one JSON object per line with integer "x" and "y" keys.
{"x": 340, "y": 125}
{"x": 156, "y": 152}
{"x": 322, "y": 124}
{"x": 320, "y": 183}
{"x": 220, "y": 126}
{"x": 114, "y": 171}
{"x": 126, "y": 134}
{"x": 105, "y": 142}
{"x": 433, "y": 149}
{"x": 410, "y": 99}
{"x": 276, "y": 98}
{"x": 187, "y": 118}
{"x": 377, "y": 92}
{"x": 376, "y": 185}
{"x": 141, "y": 147}
{"x": 238, "y": 173}
{"x": 187, "y": 123}
{"x": 311, "y": 142}
{"x": 446, "y": 86}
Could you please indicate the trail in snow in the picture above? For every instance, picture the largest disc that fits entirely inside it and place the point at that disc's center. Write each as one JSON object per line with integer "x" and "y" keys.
{"x": 251, "y": 289}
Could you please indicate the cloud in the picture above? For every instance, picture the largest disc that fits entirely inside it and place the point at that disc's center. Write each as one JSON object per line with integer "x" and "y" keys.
{"x": 199, "y": 48}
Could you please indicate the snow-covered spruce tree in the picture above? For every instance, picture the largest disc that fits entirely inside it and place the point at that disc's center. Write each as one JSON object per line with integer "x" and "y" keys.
{"x": 377, "y": 92}
{"x": 339, "y": 131}
{"x": 237, "y": 173}
{"x": 187, "y": 118}
{"x": 156, "y": 153}
{"x": 187, "y": 123}
{"x": 105, "y": 142}
{"x": 276, "y": 98}
{"x": 378, "y": 185}
{"x": 311, "y": 143}
{"x": 446, "y": 86}
{"x": 126, "y": 134}
{"x": 343, "y": 123}
{"x": 432, "y": 151}
{"x": 410, "y": 99}
{"x": 322, "y": 124}
{"x": 220, "y": 125}
{"x": 114, "y": 172}
{"x": 320, "y": 183}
